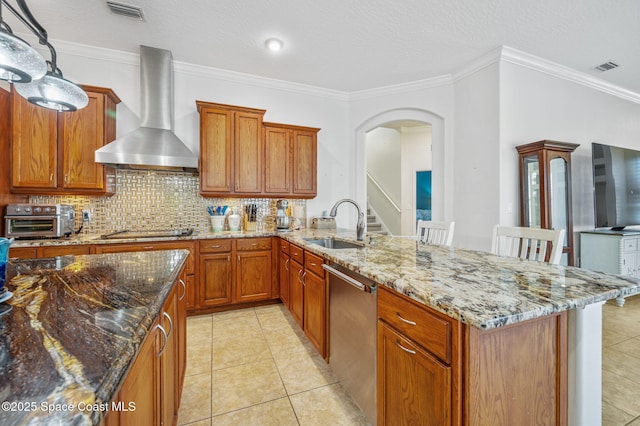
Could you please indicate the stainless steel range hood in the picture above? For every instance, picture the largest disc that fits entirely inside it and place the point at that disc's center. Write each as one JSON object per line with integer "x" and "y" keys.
{"x": 154, "y": 145}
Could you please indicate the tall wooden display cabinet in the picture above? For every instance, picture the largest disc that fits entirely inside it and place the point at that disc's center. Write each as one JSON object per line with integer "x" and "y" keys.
{"x": 545, "y": 189}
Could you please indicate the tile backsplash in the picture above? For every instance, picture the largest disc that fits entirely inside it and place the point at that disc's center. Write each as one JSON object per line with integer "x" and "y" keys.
{"x": 150, "y": 201}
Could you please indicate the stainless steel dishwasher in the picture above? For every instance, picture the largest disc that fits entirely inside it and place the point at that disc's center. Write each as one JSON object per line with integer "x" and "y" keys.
{"x": 352, "y": 335}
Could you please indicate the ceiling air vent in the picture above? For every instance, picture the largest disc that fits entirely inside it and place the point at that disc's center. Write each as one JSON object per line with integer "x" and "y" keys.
{"x": 127, "y": 10}
{"x": 606, "y": 66}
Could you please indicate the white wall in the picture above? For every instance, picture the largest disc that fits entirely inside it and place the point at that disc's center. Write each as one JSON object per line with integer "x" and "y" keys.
{"x": 536, "y": 106}
{"x": 416, "y": 156}
{"x": 430, "y": 101}
{"x": 477, "y": 158}
{"x": 384, "y": 161}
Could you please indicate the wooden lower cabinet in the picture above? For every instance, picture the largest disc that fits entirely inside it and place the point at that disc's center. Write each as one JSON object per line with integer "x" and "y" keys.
{"x": 215, "y": 279}
{"x": 296, "y": 292}
{"x": 416, "y": 386}
{"x": 315, "y": 301}
{"x": 434, "y": 370}
{"x": 307, "y": 294}
{"x": 154, "y": 382}
{"x": 236, "y": 271}
{"x": 283, "y": 271}
{"x": 138, "y": 402}
{"x": 48, "y": 251}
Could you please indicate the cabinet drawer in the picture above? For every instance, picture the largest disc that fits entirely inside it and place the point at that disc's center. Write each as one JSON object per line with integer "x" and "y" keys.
{"x": 313, "y": 263}
{"x": 253, "y": 244}
{"x": 296, "y": 253}
{"x": 215, "y": 246}
{"x": 425, "y": 327}
{"x": 630, "y": 244}
{"x": 284, "y": 246}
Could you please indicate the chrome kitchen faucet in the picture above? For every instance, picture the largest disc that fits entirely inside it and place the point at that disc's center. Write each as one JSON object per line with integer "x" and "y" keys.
{"x": 360, "y": 224}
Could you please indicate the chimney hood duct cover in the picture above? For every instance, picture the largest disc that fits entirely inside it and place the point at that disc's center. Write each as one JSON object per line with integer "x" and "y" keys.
{"x": 153, "y": 146}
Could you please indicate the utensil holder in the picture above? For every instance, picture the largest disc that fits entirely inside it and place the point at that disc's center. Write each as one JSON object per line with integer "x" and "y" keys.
{"x": 217, "y": 223}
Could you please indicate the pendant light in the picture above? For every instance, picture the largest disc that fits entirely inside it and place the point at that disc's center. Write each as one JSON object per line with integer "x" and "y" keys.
{"x": 19, "y": 62}
{"x": 48, "y": 89}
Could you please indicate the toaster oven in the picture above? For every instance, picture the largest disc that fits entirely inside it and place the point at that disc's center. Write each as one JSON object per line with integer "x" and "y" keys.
{"x": 39, "y": 220}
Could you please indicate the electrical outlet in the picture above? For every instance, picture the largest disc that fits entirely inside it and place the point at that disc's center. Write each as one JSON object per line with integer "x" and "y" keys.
{"x": 86, "y": 215}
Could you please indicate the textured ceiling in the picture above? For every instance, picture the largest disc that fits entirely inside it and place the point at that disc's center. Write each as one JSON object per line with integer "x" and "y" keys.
{"x": 359, "y": 44}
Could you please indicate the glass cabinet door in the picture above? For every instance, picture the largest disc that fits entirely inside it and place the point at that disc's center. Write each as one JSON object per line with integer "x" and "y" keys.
{"x": 532, "y": 191}
{"x": 558, "y": 200}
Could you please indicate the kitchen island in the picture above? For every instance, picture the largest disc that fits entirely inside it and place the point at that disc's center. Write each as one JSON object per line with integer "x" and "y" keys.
{"x": 507, "y": 341}
{"x": 489, "y": 306}
{"x": 75, "y": 327}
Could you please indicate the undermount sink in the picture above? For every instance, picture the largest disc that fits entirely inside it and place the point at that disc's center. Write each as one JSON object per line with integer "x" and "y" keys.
{"x": 332, "y": 243}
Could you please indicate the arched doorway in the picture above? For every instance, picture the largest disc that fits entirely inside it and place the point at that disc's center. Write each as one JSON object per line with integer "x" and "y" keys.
{"x": 394, "y": 118}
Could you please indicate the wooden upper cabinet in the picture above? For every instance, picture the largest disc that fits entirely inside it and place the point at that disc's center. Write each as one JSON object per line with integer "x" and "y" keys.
{"x": 290, "y": 160}
{"x": 277, "y": 160}
{"x": 53, "y": 152}
{"x": 230, "y": 150}
{"x": 34, "y": 149}
{"x": 305, "y": 162}
{"x": 248, "y": 152}
{"x": 215, "y": 150}
{"x": 82, "y": 133}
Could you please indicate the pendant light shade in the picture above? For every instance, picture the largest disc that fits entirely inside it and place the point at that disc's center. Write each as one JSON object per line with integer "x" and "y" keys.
{"x": 54, "y": 92}
{"x": 19, "y": 62}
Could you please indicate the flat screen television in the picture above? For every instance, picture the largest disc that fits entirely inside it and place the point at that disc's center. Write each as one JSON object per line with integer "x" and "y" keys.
{"x": 616, "y": 186}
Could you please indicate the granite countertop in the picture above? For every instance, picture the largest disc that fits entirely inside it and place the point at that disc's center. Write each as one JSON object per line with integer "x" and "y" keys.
{"x": 74, "y": 329}
{"x": 95, "y": 238}
{"x": 477, "y": 288}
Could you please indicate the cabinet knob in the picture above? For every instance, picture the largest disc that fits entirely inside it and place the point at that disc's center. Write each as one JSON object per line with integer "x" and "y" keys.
{"x": 51, "y": 177}
{"x": 286, "y": 264}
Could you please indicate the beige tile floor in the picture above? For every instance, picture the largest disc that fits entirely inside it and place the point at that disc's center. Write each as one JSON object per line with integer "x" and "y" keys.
{"x": 255, "y": 367}
{"x": 621, "y": 363}
{"x": 260, "y": 369}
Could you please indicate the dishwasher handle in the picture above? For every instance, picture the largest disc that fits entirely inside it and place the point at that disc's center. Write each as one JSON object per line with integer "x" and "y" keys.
{"x": 348, "y": 279}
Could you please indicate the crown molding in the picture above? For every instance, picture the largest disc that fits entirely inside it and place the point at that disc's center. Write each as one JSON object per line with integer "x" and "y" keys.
{"x": 412, "y": 86}
{"x": 518, "y": 57}
{"x": 502, "y": 53}
{"x": 99, "y": 53}
{"x": 536, "y": 63}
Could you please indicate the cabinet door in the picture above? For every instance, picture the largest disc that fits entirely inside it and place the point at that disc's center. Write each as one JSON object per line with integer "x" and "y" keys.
{"x": 630, "y": 264}
{"x": 169, "y": 367}
{"x": 81, "y": 134}
{"x": 191, "y": 292}
{"x": 253, "y": 276}
{"x": 142, "y": 387}
{"x": 304, "y": 162}
{"x": 277, "y": 160}
{"x": 34, "y": 146}
{"x": 54, "y": 251}
{"x": 216, "y": 135}
{"x": 284, "y": 278}
{"x": 23, "y": 253}
{"x": 296, "y": 293}
{"x": 181, "y": 330}
{"x": 413, "y": 386}
{"x": 248, "y": 152}
{"x": 315, "y": 310}
{"x": 215, "y": 280}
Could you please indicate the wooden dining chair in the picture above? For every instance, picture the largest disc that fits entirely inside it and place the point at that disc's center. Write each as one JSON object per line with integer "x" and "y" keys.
{"x": 528, "y": 243}
{"x": 434, "y": 232}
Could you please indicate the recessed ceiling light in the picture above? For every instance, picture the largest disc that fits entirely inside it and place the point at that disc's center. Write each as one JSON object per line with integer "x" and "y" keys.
{"x": 274, "y": 44}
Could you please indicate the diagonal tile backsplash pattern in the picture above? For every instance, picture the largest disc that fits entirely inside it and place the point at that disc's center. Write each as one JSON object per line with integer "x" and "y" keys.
{"x": 151, "y": 200}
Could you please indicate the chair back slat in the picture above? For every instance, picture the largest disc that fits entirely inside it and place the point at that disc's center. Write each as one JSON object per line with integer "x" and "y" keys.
{"x": 528, "y": 243}
{"x": 434, "y": 232}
